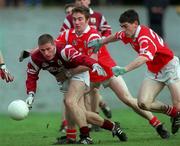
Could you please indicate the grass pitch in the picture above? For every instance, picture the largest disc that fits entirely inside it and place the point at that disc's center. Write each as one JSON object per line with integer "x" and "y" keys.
{"x": 42, "y": 130}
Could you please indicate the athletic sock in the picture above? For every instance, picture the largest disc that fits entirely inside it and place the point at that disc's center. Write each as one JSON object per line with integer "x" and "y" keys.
{"x": 84, "y": 131}
{"x": 171, "y": 111}
{"x": 64, "y": 123}
{"x": 155, "y": 122}
{"x": 108, "y": 125}
{"x": 71, "y": 134}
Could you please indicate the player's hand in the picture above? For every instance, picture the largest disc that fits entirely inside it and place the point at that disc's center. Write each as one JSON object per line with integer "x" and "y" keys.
{"x": 61, "y": 77}
{"x": 5, "y": 74}
{"x": 95, "y": 44}
{"x": 30, "y": 100}
{"x": 117, "y": 70}
{"x": 100, "y": 71}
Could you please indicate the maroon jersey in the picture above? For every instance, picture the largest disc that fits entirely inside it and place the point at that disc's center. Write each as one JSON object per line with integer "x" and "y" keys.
{"x": 96, "y": 20}
{"x": 148, "y": 44}
{"x": 65, "y": 58}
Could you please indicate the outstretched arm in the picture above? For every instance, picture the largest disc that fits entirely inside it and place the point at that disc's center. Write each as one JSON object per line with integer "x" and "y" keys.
{"x": 98, "y": 43}
{"x": 136, "y": 63}
{"x": 117, "y": 70}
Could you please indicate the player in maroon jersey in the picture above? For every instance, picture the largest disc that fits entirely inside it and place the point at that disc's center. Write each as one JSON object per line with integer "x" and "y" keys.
{"x": 63, "y": 63}
{"x": 68, "y": 8}
{"x": 163, "y": 67}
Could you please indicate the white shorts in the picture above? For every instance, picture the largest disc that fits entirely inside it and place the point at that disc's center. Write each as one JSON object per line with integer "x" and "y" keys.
{"x": 169, "y": 73}
{"x": 84, "y": 77}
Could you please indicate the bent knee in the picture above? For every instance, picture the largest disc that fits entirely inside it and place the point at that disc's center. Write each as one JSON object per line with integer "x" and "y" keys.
{"x": 69, "y": 103}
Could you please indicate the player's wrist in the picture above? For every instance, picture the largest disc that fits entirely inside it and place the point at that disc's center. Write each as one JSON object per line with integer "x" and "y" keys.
{"x": 68, "y": 73}
{"x": 31, "y": 93}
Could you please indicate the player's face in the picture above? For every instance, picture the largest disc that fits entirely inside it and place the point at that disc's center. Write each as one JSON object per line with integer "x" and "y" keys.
{"x": 129, "y": 28}
{"x": 84, "y": 3}
{"x": 68, "y": 11}
{"x": 48, "y": 50}
{"x": 80, "y": 23}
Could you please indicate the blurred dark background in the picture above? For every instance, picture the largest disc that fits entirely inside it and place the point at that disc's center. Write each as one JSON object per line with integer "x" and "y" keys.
{"x": 17, "y": 3}
{"x": 104, "y": 2}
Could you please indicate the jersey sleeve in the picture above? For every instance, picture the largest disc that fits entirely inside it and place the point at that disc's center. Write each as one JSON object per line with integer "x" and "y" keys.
{"x": 147, "y": 47}
{"x": 121, "y": 36}
{"x": 32, "y": 76}
{"x": 61, "y": 39}
{"x": 70, "y": 54}
{"x": 67, "y": 24}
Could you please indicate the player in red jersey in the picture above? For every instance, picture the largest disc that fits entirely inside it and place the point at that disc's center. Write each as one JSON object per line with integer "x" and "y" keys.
{"x": 63, "y": 63}
{"x": 79, "y": 37}
{"x": 98, "y": 22}
{"x": 163, "y": 67}
{"x": 4, "y": 73}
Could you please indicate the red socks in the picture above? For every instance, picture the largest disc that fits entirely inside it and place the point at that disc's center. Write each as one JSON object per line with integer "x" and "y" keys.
{"x": 84, "y": 131}
{"x": 108, "y": 125}
{"x": 64, "y": 123}
{"x": 171, "y": 111}
{"x": 154, "y": 122}
{"x": 71, "y": 134}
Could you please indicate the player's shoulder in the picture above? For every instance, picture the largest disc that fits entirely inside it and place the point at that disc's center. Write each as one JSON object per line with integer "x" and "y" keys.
{"x": 97, "y": 13}
{"x": 36, "y": 55}
{"x": 93, "y": 30}
{"x": 144, "y": 30}
{"x": 68, "y": 52}
{"x": 69, "y": 17}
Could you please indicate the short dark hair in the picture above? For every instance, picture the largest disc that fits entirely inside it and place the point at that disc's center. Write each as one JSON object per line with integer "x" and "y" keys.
{"x": 83, "y": 10}
{"x": 129, "y": 16}
{"x": 45, "y": 38}
{"x": 69, "y": 5}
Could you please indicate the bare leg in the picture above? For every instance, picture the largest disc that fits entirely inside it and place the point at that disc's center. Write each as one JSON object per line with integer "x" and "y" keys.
{"x": 175, "y": 94}
{"x": 147, "y": 93}
{"x": 119, "y": 87}
{"x": 75, "y": 91}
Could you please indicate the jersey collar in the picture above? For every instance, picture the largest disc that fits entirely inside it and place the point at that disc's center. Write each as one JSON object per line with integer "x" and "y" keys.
{"x": 91, "y": 11}
{"x": 137, "y": 31}
{"x": 85, "y": 31}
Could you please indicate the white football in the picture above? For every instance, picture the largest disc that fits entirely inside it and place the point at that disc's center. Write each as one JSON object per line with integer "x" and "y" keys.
{"x": 18, "y": 110}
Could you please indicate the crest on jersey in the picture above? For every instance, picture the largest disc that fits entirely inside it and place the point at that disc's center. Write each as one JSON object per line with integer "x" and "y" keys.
{"x": 74, "y": 43}
{"x": 59, "y": 62}
{"x": 44, "y": 64}
{"x": 93, "y": 20}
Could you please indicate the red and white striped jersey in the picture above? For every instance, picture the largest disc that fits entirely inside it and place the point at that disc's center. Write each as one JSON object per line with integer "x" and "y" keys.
{"x": 147, "y": 43}
{"x": 65, "y": 58}
{"x": 96, "y": 21}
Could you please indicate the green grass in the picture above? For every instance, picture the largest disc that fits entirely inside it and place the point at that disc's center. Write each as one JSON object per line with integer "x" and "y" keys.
{"x": 33, "y": 131}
